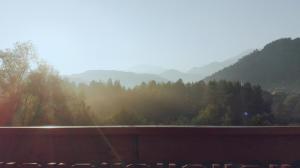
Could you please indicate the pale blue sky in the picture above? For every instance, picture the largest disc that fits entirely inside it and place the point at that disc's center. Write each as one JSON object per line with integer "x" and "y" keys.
{"x": 78, "y": 35}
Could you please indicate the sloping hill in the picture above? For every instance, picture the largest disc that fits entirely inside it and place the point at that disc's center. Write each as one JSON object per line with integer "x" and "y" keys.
{"x": 275, "y": 67}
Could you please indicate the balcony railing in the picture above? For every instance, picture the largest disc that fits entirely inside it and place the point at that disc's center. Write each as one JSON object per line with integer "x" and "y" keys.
{"x": 151, "y": 146}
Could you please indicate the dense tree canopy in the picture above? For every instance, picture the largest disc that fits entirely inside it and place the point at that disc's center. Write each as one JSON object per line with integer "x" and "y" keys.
{"x": 35, "y": 96}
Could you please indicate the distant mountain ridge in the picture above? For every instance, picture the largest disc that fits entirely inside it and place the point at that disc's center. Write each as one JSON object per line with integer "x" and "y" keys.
{"x": 127, "y": 79}
{"x": 275, "y": 67}
{"x": 145, "y": 73}
{"x": 148, "y": 69}
{"x": 174, "y": 75}
{"x": 213, "y": 67}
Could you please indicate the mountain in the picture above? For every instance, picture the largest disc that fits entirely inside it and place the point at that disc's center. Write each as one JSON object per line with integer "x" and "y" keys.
{"x": 127, "y": 79}
{"x": 173, "y": 75}
{"x": 145, "y": 73}
{"x": 213, "y": 67}
{"x": 148, "y": 69}
{"x": 275, "y": 67}
{"x": 198, "y": 73}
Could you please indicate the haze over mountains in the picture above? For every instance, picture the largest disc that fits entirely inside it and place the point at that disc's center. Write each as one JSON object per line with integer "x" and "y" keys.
{"x": 275, "y": 67}
{"x": 144, "y": 68}
{"x": 145, "y": 73}
{"x": 127, "y": 79}
{"x": 216, "y": 66}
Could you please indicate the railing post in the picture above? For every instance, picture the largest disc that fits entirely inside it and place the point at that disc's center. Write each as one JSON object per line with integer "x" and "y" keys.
{"x": 136, "y": 145}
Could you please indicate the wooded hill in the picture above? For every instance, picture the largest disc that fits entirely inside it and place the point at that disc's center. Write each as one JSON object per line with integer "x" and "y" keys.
{"x": 275, "y": 68}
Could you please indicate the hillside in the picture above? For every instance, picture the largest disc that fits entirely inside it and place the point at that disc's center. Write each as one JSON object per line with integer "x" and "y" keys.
{"x": 275, "y": 67}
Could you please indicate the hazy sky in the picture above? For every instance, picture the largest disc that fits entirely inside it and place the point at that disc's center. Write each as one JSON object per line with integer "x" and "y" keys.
{"x": 78, "y": 35}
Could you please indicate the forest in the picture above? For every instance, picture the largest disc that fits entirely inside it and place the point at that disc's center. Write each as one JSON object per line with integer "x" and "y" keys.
{"x": 33, "y": 93}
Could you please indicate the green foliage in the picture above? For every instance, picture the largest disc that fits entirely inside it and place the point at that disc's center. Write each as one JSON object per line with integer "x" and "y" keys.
{"x": 286, "y": 108}
{"x": 214, "y": 103}
{"x": 35, "y": 96}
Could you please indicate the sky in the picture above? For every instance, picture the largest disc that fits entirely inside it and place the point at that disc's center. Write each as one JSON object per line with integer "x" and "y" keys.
{"x": 79, "y": 35}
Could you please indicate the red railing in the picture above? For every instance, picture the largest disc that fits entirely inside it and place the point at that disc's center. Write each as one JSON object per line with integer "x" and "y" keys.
{"x": 150, "y": 145}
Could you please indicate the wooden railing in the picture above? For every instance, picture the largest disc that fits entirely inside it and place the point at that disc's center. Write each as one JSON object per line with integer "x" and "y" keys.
{"x": 149, "y": 146}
